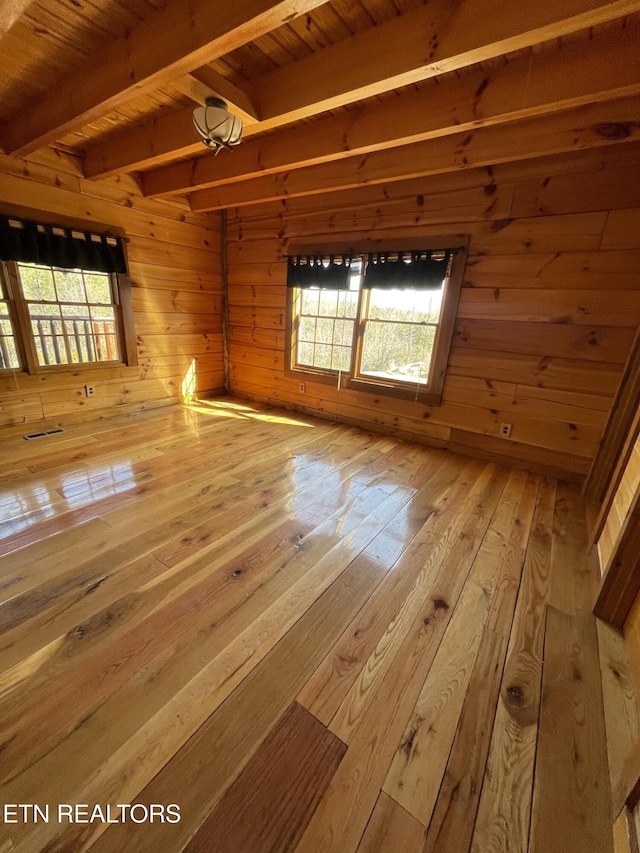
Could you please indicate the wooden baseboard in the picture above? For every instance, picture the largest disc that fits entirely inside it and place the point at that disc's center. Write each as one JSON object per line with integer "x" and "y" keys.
{"x": 454, "y": 447}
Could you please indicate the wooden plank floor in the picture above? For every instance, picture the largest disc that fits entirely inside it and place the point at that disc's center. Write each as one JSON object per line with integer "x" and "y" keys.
{"x": 306, "y": 636}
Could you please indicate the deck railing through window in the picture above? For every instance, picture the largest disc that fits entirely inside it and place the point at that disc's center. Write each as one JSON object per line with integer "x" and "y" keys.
{"x": 7, "y": 357}
{"x": 74, "y": 340}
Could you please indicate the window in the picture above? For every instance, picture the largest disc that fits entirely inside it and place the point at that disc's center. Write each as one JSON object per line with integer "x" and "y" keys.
{"x": 64, "y": 300}
{"x": 72, "y": 314}
{"x": 384, "y": 324}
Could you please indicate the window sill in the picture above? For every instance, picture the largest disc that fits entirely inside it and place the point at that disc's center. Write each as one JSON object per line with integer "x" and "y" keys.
{"x": 380, "y": 389}
{"x": 309, "y": 374}
{"x": 76, "y": 368}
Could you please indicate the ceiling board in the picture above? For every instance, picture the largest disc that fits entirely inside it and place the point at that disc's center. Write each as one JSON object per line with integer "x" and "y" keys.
{"x": 52, "y": 38}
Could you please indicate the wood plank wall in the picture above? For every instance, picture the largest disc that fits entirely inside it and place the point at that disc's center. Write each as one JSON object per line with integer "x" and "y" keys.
{"x": 548, "y": 312}
{"x": 175, "y": 266}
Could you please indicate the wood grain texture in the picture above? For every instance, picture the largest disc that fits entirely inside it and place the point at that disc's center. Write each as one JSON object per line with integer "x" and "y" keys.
{"x": 451, "y": 826}
{"x": 573, "y": 580}
{"x": 571, "y": 809}
{"x": 340, "y": 820}
{"x": 419, "y": 763}
{"x": 327, "y": 689}
{"x": 231, "y": 558}
{"x": 269, "y": 805}
{"x": 505, "y": 805}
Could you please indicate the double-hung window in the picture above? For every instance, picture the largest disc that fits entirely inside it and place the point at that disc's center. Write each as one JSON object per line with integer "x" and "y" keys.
{"x": 379, "y": 322}
{"x": 64, "y": 298}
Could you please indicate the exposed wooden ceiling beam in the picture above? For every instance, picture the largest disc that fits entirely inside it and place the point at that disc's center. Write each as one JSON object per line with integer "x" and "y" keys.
{"x": 169, "y": 43}
{"x": 383, "y": 58}
{"x": 163, "y": 138}
{"x": 10, "y": 13}
{"x": 585, "y": 127}
{"x": 547, "y": 82}
{"x": 427, "y": 42}
{"x": 359, "y": 202}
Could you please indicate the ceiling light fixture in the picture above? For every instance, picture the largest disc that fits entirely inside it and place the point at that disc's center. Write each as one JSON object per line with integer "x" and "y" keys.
{"x": 216, "y": 126}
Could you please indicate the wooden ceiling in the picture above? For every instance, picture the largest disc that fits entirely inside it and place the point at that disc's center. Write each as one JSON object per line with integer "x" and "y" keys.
{"x": 333, "y": 95}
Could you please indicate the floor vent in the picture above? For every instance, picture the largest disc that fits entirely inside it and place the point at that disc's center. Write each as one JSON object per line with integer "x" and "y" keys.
{"x": 42, "y": 434}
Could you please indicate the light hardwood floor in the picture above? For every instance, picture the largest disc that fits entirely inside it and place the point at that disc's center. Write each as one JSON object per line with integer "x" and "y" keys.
{"x": 307, "y": 636}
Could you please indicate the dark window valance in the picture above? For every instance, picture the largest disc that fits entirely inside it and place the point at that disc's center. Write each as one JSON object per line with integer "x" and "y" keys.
{"x": 50, "y": 245}
{"x": 419, "y": 270}
{"x": 319, "y": 271}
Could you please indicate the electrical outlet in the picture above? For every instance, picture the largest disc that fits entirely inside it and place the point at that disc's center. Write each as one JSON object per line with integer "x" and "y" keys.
{"x": 505, "y": 430}
{"x": 89, "y": 390}
{"x": 303, "y": 388}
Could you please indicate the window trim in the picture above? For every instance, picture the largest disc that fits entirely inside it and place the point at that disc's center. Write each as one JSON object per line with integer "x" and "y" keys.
{"x": 430, "y": 394}
{"x": 18, "y": 310}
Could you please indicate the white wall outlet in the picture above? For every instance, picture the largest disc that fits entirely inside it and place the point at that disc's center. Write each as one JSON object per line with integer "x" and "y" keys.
{"x": 303, "y": 388}
{"x": 89, "y": 390}
{"x": 505, "y": 430}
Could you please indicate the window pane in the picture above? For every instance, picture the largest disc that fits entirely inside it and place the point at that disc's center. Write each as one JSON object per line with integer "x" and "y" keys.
{"x": 77, "y": 312}
{"x": 8, "y": 352}
{"x": 69, "y": 286}
{"x": 307, "y": 330}
{"x": 348, "y": 303}
{"x": 310, "y": 301}
{"x": 324, "y": 331}
{"x": 37, "y": 283}
{"x": 102, "y": 314}
{"x": 322, "y": 356}
{"x": 341, "y": 358}
{"x": 328, "y": 303}
{"x": 343, "y": 333}
{"x": 41, "y": 315}
{"x": 397, "y": 351}
{"x": 305, "y": 354}
{"x": 98, "y": 288}
{"x": 412, "y": 306}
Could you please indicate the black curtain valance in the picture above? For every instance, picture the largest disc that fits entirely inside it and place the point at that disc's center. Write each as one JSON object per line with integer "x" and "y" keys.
{"x": 50, "y": 245}
{"x": 307, "y": 271}
{"x": 418, "y": 270}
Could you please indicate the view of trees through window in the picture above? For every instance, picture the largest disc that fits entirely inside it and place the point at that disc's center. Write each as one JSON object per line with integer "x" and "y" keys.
{"x": 325, "y": 333}
{"x": 72, "y": 314}
{"x": 398, "y": 329}
{"x": 400, "y": 333}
